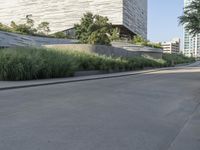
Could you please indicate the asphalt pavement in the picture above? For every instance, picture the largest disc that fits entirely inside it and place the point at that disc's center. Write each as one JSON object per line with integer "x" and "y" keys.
{"x": 150, "y": 111}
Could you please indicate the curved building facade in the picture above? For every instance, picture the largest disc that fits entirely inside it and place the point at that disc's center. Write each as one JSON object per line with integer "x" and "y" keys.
{"x": 129, "y": 15}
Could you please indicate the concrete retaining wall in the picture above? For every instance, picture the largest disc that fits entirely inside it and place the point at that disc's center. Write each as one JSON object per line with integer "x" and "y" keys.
{"x": 8, "y": 39}
{"x": 118, "y": 49}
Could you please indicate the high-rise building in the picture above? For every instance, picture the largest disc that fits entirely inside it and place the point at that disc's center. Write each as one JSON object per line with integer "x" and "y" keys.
{"x": 191, "y": 43}
{"x": 129, "y": 15}
{"x": 171, "y": 47}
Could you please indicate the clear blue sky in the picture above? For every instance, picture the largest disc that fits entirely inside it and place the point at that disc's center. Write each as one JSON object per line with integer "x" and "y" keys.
{"x": 162, "y": 19}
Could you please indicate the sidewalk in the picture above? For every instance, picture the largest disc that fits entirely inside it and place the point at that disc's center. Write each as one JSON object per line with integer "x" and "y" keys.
{"x": 6, "y": 85}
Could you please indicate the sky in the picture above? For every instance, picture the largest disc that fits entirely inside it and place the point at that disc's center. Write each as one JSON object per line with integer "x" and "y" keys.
{"x": 162, "y": 20}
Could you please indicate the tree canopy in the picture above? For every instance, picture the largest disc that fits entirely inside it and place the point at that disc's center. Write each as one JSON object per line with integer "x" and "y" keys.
{"x": 191, "y": 17}
{"x": 94, "y": 29}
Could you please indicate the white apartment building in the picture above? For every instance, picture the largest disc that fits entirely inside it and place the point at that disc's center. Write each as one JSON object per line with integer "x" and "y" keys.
{"x": 129, "y": 15}
{"x": 191, "y": 43}
{"x": 171, "y": 47}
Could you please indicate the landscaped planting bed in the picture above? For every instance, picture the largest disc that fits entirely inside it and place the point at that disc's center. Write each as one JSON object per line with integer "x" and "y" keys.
{"x": 40, "y": 63}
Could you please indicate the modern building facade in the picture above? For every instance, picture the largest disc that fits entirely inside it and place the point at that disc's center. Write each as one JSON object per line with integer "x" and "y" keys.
{"x": 171, "y": 47}
{"x": 129, "y": 15}
{"x": 191, "y": 43}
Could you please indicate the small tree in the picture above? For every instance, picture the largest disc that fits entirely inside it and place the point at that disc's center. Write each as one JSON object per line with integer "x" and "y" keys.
{"x": 191, "y": 17}
{"x": 93, "y": 29}
{"x": 29, "y": 22}
{"x": 43, "y": 27}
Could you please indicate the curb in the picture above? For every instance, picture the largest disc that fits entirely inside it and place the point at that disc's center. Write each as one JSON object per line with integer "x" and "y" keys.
{"x": 79, "y": 79}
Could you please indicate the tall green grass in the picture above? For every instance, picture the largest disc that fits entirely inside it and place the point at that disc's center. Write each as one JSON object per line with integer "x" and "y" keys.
{"x": 31, "y": 63}
{"x": 88, "y": 61}
{"x": 175, "y": 59}
{"x": 40, "y": 63}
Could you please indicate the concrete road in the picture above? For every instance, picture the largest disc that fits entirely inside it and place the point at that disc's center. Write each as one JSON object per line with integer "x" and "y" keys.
{"x": 153, "y": 111}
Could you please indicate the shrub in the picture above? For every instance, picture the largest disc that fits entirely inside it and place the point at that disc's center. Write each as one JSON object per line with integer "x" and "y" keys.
{"x": 153, "y": 45}
{"x": 5, "y": 28}
{"x": 115, "y": 34}
{"x": 138, "y": 40}
{"x": 24, "y": 29}
{"x": 60, "y": 35}
{"x": 99, "y": 37}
